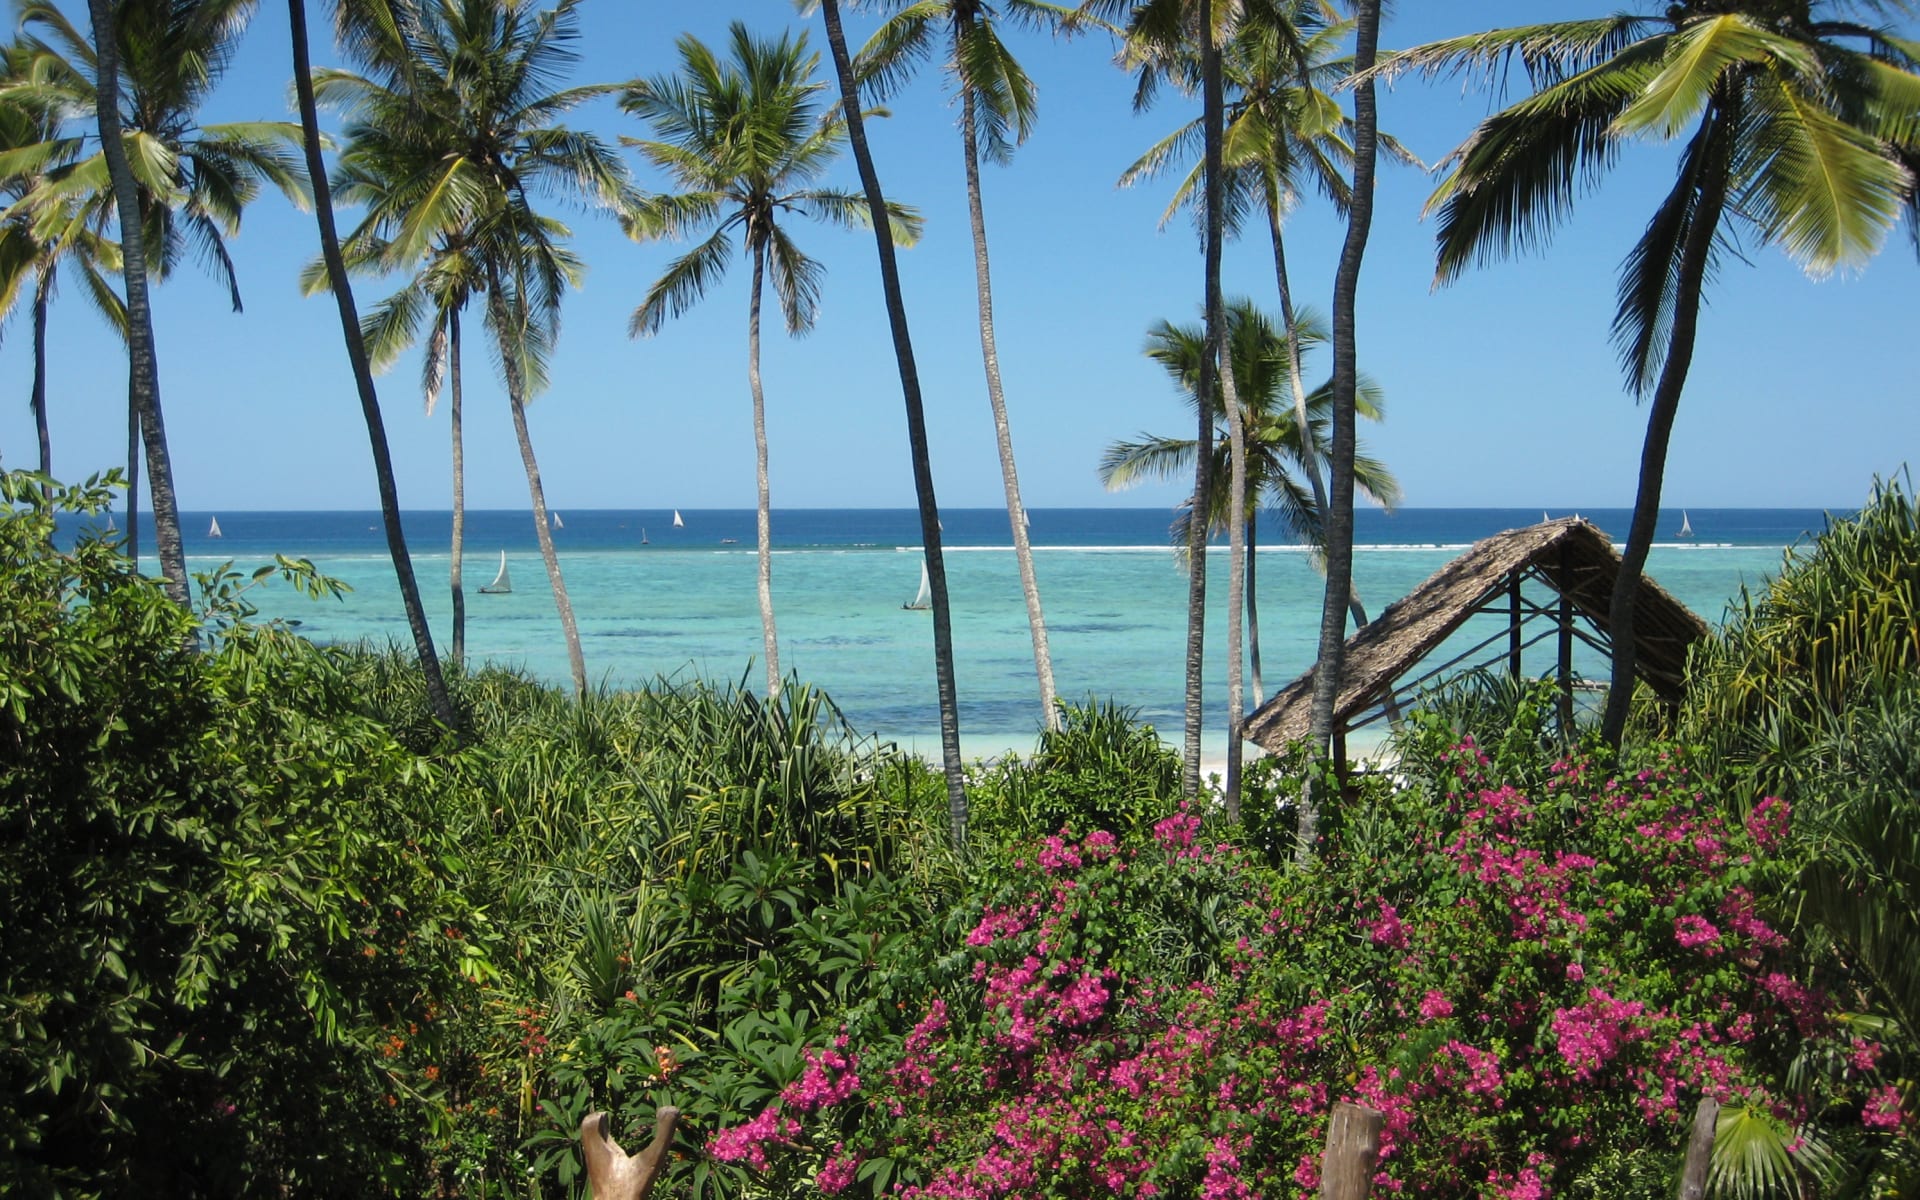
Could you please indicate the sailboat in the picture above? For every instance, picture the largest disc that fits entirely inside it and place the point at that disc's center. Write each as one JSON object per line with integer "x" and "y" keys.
{"x": 111, "y": 527}
{"x": 677, "y": 522}
{"x": 501, "y": 583}
{"x": 643, "y": 535}
{"x": 556, "y": 522}
{"x": 922, "y": 599}
{"x": 214, "y": 529}
{"x": 1686, "y": 525}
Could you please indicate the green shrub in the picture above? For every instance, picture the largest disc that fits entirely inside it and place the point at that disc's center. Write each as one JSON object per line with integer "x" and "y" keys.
{"x": 1101, "y": 769}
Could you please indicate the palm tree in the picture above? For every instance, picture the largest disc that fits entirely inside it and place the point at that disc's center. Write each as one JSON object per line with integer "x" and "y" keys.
{"x": 460, "y": 86}
{"x": 183, "y": 185}
{"x": 1340, "y": 470}
{"x": 916, "y": 424}
{"x": 1284, "y": 133}
{"x": 1276, "y": 457}
{"x": 1164, "y": 31}
{"x": 1795, "y": 117}
{"x": 36, "y": 242}
{"x": 997, "y": 108}
{"x": 361, "y": 25}
{"x": 746, "y": 142}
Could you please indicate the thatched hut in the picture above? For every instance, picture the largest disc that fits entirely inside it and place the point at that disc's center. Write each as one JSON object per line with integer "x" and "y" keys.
{"x": 1570, "y": 556}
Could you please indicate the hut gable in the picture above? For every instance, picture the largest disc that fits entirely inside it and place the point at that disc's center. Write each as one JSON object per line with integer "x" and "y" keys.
{"x": 1570, "y": 555}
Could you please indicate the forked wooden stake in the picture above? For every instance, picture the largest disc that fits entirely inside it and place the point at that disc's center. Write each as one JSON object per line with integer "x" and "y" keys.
{"x": 611, "y": 1174}
{"x": 1353, "y": 1147}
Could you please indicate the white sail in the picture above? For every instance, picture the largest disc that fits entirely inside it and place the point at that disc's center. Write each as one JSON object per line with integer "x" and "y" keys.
{"x": 501, "y": 582}
{"x": 923, "y": 598}
{"x": 557, "y": 523}
{"x": 214, "y": 529}
{"x": 677, "y": 522}
{"x": 1686, "y": 525}
{"x": 111, "y": 527}
{"x": 643, "y": 535}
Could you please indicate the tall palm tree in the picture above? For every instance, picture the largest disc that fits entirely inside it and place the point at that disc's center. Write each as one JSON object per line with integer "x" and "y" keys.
{"x": 182, "y": 184}
{"x": 745, "y": 141}
{"x": 1277, "y": 460}
{"x": 1284, "y": 133}
{"x": 1795, "y": 117}
{"x": 916, "y": 422}
{"x": 1340, "y": 481}
{"x": 1159, "y": 31}
{"x": 462, "y": 85}
{"x": 997, "y": 108}
{"x": 37, "y": 240}
{"x": 362, "y": 25}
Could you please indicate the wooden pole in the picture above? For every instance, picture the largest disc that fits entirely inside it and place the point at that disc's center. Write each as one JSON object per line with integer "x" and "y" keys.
{"x": 1693, "y": 1176}
{"x": 1353, "y": 1147}
{"x": 1513, "y": 625}
{"x": 1566, "y": 647}
{"x": 611, "y": 1173}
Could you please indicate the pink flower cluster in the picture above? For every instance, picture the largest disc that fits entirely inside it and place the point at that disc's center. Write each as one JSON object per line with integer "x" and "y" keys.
{"x": 830, "y": 1078}
{"x": 1386, "y": 929}
{"x": 1435, "y": 1006}
{"x": 1591, "y": 1035}
{"x": 1694, "y": 931}
{"x": 1882, "y": 1110}
{"x": 1768, "y": 822}
{"x": 748, "y": 1142}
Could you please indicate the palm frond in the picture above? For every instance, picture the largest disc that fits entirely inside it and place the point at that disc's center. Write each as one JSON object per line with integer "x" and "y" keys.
{"x": 685, "y": 281}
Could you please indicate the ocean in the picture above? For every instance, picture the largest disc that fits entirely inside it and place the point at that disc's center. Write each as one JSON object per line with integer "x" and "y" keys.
{"x": 655, "y": 601}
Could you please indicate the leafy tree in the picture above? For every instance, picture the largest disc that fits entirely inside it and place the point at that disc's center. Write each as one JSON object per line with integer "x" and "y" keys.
{"x": 460, "y": 92}
{"x": 36, "y": 243}
{"x": 998, "y": 105}
{"x": 361, "y": 24}
{"x": 184, "y": 185}
{"x": 745, "y": 141}
{"x": 1276, "y": 457}
{"x": 928, "y": 504}
{"x": 1794, "y": 115}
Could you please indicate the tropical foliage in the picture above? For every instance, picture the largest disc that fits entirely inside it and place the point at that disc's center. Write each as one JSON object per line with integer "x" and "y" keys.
{"x": 1795, "y": 121}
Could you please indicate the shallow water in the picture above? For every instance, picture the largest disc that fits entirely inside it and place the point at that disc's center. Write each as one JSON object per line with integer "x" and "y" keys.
{"x": 682, "y": 605}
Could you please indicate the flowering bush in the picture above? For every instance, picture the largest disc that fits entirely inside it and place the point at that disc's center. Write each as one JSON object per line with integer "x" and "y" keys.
{"x": 1534, "y": 989}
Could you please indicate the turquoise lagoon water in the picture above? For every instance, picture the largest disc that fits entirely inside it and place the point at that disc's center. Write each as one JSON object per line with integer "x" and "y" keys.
{"x": 681, "y": 604}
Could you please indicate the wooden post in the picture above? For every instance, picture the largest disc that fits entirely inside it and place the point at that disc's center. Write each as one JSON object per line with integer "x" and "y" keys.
{"x": 1353, "y": 1147}
{"x": 1693, "y": 1176}
{"x": 1566, "y": 649}
{"x": 1513, "y": 625}
{"x": 611, "y": 1173}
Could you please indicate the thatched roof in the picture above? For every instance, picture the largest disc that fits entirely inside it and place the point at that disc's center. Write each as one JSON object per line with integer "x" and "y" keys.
{"x": 1570, "y": 554}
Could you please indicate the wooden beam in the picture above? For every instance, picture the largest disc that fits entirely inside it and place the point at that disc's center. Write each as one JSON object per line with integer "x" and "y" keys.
{"x": 1353, "y": 1149}
{"x": 1565, "y": 671}
{"x": 1513, "y": 625}
{"x": 1693, "y": 1174}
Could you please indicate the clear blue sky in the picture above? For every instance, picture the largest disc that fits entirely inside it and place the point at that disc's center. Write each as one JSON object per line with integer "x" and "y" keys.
{"x": 1502, "y": 388}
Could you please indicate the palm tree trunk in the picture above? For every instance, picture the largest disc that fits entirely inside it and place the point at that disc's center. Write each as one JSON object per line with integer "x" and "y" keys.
{"x": 516, "y": 400}
{"x": 42, "y": 287}
{"x": 763, "y": 501}
{"x": 916, "y": 429}
{"x": 1253, "y": 610}
{"x": 437, "y": 698}
{"x": 1329, "y": 668}
{"x": 1195, "y": 707}
{"x": 143, "y": 376}
{"x": 133, "y": 481}
{"x": 459, "y": 551}
{"x": 1695, "y": 254}
{"x": 1009, "y": 474}
{"x": 1230, "y": 400}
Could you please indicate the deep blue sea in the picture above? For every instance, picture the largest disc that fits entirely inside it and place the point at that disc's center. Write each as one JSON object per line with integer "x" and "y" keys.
{"x": 654, "y": 600}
